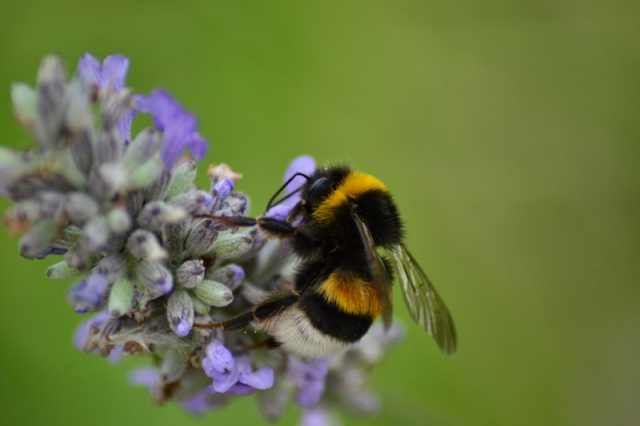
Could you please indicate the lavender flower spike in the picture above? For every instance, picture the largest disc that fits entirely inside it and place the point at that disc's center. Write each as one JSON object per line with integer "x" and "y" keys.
{"x": 150, "y": 256}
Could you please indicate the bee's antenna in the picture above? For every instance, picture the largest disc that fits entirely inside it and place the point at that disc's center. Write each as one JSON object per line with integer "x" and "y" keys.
{"x": 271, "y": 203}
{"x": 286, "y": 197}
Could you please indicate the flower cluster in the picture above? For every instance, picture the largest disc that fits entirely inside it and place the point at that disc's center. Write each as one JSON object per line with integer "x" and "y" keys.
{"x": 149, "y": 262}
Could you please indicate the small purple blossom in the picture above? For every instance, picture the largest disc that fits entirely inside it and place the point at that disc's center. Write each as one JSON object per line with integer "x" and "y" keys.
{"x": 203, "y": 402}
{"x": 82, "y": 331}
{"x": 233, "y": 375}
{"x": 89, "y": 294}
{"x": 223, "y": 188}
{"x": 148, "y": 376}
{"x": 108, "y": 78}
{"x": 178, "y": 125}
{"x": 317, "y": 416}
{"x": 310, "y": 377}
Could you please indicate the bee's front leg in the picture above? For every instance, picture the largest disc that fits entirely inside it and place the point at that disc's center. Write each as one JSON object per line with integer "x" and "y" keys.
{"x": 276, "y": 228}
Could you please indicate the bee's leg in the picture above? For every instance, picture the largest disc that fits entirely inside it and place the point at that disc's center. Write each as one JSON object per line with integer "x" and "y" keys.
{"x": 232, "y": 324}
{"x": 274, "y": 304}
{"x": 232, "y": 222}
{"x": 276, "y": 228}
{"x": 269, "y": 343}
{"x": 269, "y": 308}
{"x": 238, "y": 322}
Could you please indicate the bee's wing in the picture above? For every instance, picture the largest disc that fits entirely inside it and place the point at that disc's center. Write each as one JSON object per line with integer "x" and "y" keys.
{"x": 378, "y": 271}
{"x": 424, "y": 304}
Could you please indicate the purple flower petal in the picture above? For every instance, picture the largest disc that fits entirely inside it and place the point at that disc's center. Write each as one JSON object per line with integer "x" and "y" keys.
{"x": 162, "y": 107}
{"x": 310, "y": 377}
{"x": 261, "y": 379}
{"x": 310, "y": 394}
{"x": 110, "y": 76}
{"x": 302, "y": 164}
{"x": 279, "y": 212}
{"x": 182, "y": 328}
{"x": 218, "y": 359}
{"x": 149, "y": 377}
{"x": 240, "y": 389}
{"x": 316, "y": 417}
{"x": 197, "y": 404}
{"x": 89, "y": 294}
{"x": 141, "y": 103}
{"x": 227, "y": 372}
{"x": 116, "y": 354}
{"x": 114, "y": 72}
{"x": 179, "y": 126}
{"x": 124, "y": 126}
{"x": 82, "y": 331}
{"x": 220, "y": 366}
{"x": 203, "y": 402}
{"x": 224, "y": 187}
{"x": 223, "y": 381}
{"x": 198, "y": 146}
{"x": 89, "y": 69}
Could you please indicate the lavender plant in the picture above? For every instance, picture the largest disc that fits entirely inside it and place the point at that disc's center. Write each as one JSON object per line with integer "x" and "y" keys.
{"x": 124, "y": 214}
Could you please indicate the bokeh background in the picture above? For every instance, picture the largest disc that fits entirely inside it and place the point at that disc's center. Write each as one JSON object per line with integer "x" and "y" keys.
{"x": 507, "y": 130}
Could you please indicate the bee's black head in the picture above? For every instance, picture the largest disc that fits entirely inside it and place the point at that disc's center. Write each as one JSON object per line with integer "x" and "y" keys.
{"x": 321, "y": 184}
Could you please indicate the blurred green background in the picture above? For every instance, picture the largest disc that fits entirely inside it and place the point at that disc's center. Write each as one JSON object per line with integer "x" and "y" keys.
{"x": 507, "y": 130}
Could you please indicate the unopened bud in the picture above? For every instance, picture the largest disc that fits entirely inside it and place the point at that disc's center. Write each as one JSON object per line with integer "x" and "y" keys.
{"x": 183, "y": 176}
{"x": 119, "y": 220}
{"x": 190, "y": 273}
{"x": 155, "y": 277}
{"x": 232, "y": 245}
{"x": 180, "y": 312}
{"x": 143, "y": 245}
{"x": 147, "y": 173}
{"x": 213, "y": 293}
{"x": 62, "y": 270}
{"x": 230, "y": 275}
{"x": 156, "y": 214}
{"x": 121, "y": 297}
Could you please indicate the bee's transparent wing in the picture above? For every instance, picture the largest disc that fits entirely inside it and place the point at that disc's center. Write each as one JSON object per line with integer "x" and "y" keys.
{"x": 424, "y": 304}
{"x": 378, "y": 271}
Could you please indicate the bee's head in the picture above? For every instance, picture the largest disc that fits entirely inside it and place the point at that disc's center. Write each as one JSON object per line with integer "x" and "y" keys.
{"x": 321, "y": 184}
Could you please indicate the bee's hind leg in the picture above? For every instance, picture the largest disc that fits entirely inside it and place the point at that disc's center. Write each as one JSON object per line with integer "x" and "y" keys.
{"x": 274, "y": 304}
{"x": 269, "y": 343}
{"x": 232, "y": 324}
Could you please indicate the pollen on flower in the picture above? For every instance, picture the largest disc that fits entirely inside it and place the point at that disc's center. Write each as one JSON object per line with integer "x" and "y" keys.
{"x": 150, "y": 263}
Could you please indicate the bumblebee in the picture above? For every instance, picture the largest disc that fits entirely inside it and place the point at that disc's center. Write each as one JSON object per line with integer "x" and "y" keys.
{"x": 342, "y": 283}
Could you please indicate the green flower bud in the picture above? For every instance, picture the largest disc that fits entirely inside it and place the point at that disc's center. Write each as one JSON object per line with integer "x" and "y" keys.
{"x": 183, "y": 176}
{"x": 213, "y": 293}
{"x": 121, "y": 297}
{"x": 23, "y": 98}
{"x": 232, "y": 245}
{"x": 147, "y": 173}
{"x": 180, "y": 312}
{"x": 200, "y": 307}
{"x": 62, "y": 270}
{"x": 173, "y": 365}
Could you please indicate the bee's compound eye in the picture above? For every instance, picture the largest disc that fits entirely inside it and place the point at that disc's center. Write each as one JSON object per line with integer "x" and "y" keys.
{"x": 318, "y": 186}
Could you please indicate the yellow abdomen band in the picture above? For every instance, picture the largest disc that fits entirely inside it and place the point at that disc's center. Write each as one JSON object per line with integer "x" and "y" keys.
{"x": 351, "y": 294}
